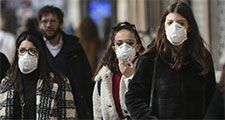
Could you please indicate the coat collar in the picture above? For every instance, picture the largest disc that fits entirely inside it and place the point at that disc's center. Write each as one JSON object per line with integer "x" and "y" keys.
{"x": 103, "y": 74}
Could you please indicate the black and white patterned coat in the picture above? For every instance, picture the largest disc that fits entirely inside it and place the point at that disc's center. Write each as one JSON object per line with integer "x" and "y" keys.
{"x": 48, "y": 104}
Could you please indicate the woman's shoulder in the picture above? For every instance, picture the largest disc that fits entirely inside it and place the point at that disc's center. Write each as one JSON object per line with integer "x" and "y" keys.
{"x": 103, "y": 73}
{"x": 149, "y": 55}
{"x": 4, "y": 85}
{"x": 58, "y": 78}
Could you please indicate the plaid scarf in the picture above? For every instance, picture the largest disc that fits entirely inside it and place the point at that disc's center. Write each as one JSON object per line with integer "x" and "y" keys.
{"x": 56, "y": 103}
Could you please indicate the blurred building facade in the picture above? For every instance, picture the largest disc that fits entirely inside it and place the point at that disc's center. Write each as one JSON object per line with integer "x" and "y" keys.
{"x": 145, "y": 14}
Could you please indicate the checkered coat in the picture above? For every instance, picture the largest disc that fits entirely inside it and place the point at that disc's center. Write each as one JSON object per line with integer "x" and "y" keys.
{"x": 56, "y": 103}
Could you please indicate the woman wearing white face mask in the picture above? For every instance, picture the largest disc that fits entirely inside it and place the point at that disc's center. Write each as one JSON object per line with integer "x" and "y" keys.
{"x": 175, "y": 77}
{"x": 32, "y": 89}
{"x": 114, "y": 72}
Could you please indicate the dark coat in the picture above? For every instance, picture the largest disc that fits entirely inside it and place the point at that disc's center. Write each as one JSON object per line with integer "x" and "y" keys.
{"x": 79, "y": 73}
{"x": 4, "y": 66}
{"x": 181, "y": 94}
{"x": 217, "y": 106}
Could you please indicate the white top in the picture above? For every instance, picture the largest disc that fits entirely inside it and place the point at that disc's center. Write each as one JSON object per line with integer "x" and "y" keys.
{"x": 7, "y": 45}
{"x": 54, "y": 49}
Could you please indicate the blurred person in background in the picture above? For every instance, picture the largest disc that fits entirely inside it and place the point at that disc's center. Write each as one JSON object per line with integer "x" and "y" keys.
{"x": 9, "y": 16}
{"x": 30, "y": 24}
{"x": 23, "y": 11}
{"x": 178, "y": 67}
{"x": 7, "y": 42}
{"x": 32, "y": 89}
{"x": 114, "y": 72}
{"x": 89, "y": 39}
{"x": 4, "y": 65}
{"x": 67, "y": 56}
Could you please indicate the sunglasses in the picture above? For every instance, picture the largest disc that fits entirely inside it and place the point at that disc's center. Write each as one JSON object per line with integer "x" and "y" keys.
{"x": 31, "y": 51}
{"x": 130, "y": 42}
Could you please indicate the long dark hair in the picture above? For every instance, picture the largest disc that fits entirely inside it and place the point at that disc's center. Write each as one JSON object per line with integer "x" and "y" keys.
{"x": 221, "y": 84}
{"x": 44, "y": 68}
{"x": 109, "y": 59}
{"x": 193, "y": 48}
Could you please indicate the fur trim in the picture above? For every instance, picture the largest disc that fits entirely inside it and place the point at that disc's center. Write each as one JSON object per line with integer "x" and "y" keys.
{"x": 103, "y": 73}
{"x": 104, "y": 104}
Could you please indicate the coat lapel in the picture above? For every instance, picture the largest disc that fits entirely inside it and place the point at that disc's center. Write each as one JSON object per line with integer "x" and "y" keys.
{"x": 45, "y": 101}
{"x": 107, "y": 102}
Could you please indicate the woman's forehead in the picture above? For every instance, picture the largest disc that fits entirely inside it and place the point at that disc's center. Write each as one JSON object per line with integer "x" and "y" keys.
{"x": 124, "y": 34}
{"x": 175, "y": 17}
{"x": 27, "y": 43}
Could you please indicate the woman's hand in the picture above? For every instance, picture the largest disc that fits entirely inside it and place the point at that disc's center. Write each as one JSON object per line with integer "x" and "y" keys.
{"x": 126, "y": 68}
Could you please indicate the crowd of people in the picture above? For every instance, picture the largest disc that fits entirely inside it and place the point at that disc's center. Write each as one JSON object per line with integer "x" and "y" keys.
{"x": 54, "y": 75}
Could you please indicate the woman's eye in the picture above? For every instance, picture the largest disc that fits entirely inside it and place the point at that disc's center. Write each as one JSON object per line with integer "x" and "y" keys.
{"x": 22, "y": 50}
{"x": 118, "y": 42}
{"x": 181, "y": 23}
{"x": 33, "y": 51}
{"x": 169, "y": 23}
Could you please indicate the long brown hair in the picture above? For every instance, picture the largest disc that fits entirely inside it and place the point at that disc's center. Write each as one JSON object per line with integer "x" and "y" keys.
{"x": 109, "y": 59}
{"x": 193, "y": 48}
{"x": 89, "y": 39}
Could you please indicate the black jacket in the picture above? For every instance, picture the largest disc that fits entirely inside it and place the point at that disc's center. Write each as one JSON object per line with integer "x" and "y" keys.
{"x": 79, "y": 73}
{"x": 179, "y": 94}
{"x": 217, "y": 106}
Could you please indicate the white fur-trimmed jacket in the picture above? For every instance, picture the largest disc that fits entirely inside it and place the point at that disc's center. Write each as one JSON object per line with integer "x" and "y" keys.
{"x": 103, "y": 103}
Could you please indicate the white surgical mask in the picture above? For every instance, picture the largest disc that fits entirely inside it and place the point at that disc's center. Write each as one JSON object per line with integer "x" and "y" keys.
{"x": 27, "y": 63}
{"x": 176, "y": 34}
{"x": 125, "y": 52}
